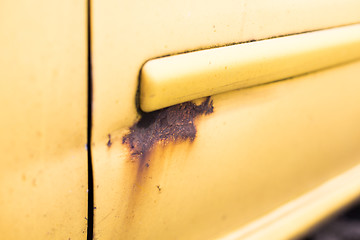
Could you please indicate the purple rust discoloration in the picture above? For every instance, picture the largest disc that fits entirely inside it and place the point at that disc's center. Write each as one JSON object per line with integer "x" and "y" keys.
{"x": 109, "y": 143}
{"x": 174, "y": 124}
{"x": 171, "y": 124}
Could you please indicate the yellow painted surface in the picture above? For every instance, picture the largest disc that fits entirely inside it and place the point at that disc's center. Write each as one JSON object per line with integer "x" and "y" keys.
{"x": 125, "y": 34}
{"x": 250, "y": 153}
{"x": 296, "y": 217}
{"x": 261, "y": 148}
{"x": 43, "y": 96}
{"x": 175, "y": 79}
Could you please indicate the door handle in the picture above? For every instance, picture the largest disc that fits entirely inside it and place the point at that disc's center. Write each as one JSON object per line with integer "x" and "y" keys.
{"x": 179, "y": 78}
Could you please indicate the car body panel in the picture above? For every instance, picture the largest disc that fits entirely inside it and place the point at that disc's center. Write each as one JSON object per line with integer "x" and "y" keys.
{"x": 279, "y": 146}
{"x": 261, "y": 148}
{"x": 256, "y": 160}
{"x": 294, "y": 219}
{"x": 43, "y": 72}
{"x": 128, "y": 33}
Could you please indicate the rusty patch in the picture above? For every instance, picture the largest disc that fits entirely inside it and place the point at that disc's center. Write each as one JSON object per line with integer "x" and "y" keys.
{"x": 171, "y": 124}
{"x": 109, "y": 143}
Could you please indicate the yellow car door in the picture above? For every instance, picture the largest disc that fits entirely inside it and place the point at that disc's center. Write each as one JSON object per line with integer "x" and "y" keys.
{"x": 260, "y": 153}
{"x": 177, "y": 119}
{"x": 43, "y": 124}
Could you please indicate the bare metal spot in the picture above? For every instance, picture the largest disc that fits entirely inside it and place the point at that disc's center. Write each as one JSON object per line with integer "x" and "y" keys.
{"x": 175, "y": 123}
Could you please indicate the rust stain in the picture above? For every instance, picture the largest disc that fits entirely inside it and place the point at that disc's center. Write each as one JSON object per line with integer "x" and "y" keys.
{"x": 109, "y": 142}
{"x": 164, "y": 127}
{"x": 171, "y": 124}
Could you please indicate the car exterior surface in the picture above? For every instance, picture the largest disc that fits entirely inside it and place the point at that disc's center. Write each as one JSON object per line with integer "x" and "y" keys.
{"x": 266, "y": 161}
